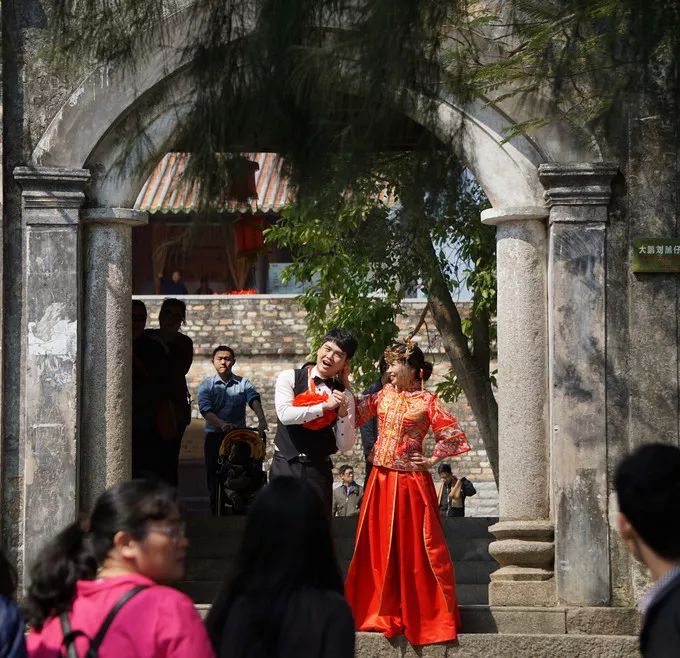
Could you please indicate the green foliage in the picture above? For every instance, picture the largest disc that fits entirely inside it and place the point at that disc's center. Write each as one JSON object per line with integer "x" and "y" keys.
{"x": 365, "y": 240}
{"x": 586, "y": 59}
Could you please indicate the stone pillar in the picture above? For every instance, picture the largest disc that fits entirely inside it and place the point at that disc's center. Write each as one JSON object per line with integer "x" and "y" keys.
{"x": 51, "y": 200}
{"x": 107, "y": 350}
{"x": 578, "y": 195}
{"x": 524, "y": 534}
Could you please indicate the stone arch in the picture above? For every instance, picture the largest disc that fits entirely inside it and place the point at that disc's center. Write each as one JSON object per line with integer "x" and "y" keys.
{"x": 150, "y": 102}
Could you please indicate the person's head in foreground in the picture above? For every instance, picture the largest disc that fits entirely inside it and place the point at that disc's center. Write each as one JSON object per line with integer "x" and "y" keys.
{"x": 647, "y": 486}
{"x": 286, "y": 549}
{"x": 135, "y": 528}
{"x": 406, "y": 365}
{"x": 337, "y": 348}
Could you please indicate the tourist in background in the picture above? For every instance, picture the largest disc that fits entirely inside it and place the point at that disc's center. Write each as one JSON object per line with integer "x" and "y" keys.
{"x": 285, "y": 597}
{"x": 369, "y": 430}
{"x": 175, "y": 414}
{"x": 128, "y": 552}
{"x": 346, "y": 497}
{"x": 12, "y": 643}
{"x": 222, "y": 400}
{"x": 150, "y": 396}
{"x": 204, "y": 287}
{"x": 648, "y": 490}
{"x": 399, "y": 530}
{"x": 173, "y": 286}
{"x": 452, "y": 491}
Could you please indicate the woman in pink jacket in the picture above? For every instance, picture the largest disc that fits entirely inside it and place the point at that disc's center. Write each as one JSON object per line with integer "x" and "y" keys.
{"x": 103, "y": 584}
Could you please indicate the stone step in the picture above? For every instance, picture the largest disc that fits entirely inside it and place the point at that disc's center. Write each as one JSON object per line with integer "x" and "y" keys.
{"x": 201, "y": 526}
{"x": 204, "y": 591}
{"x": 374, "y": 645}
{"x": 474, "y": 572}
{"x": 226, "y": 547}
{"x": 540, "y": 621}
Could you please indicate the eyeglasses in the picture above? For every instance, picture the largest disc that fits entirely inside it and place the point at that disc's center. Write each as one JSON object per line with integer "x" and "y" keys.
{"x": 175, "y": 532}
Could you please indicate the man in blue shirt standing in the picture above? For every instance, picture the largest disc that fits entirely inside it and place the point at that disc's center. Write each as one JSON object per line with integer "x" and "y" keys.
{"x": 222, "y": 401}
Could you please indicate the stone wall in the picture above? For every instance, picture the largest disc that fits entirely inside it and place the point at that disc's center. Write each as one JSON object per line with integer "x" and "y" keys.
{"x": 267, "y": 333}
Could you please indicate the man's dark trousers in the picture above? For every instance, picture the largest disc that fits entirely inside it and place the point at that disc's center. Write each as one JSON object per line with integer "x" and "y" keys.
{"x": 319, "y": 473}
{"x": 211, "y": 451}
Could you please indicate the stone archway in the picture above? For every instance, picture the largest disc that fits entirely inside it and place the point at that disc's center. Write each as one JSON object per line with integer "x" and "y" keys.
{"x": 537, "y": 270}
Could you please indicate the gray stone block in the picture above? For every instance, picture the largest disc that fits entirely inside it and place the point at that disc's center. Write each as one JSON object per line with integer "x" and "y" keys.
{"x": 603, "y": 621}
{"x": 493, "y": 619}
{"x": 374, "y": 645}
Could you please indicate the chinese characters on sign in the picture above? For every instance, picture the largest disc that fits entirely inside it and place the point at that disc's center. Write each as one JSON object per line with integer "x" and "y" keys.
{"x": 656, "y": 255}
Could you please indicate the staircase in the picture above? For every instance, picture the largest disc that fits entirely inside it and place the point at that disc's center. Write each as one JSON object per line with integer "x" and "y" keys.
{"x": 214, "y": 543}
{"x": 487, "y": 630}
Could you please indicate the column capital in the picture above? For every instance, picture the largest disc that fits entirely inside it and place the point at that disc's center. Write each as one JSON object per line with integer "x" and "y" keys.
{"x": 114, "y": 216}
{"x": 51, "y": 188}
{"x": 577, "y": 183}
{"x": 496, "y": 216}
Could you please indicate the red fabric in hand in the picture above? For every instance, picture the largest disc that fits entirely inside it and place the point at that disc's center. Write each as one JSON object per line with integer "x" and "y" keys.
{"x": 310, "y": 398}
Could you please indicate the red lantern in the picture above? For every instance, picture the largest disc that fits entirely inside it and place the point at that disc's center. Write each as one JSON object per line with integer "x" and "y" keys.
{"x": 248, "y": 233}
{"x": 242, "y": 184}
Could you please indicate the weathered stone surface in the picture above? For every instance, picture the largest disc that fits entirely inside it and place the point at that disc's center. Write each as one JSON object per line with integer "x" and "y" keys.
{"x": 523, "y": 593}
{"x": 105, "y": 449}
{"x": 515, "y": 619}
{"x": 522, "y": 366}
{"x": 603, "y": 621}
{"x": 578, "y": 196}
{"x": 373, "y": 645}
{"x": 523, "y": 553}
{"x": 522, "y": 353}
{"x": 51, "y": 198}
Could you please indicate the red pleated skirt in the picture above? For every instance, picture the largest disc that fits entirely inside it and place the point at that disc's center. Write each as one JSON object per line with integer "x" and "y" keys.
{"x": 401, "y": 579}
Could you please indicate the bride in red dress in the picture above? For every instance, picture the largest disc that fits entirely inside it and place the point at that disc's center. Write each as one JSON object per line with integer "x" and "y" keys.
{"x": 401, "y": 580}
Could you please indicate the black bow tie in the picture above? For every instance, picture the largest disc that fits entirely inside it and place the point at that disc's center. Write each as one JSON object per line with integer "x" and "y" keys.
{"x": 333, "y": 384}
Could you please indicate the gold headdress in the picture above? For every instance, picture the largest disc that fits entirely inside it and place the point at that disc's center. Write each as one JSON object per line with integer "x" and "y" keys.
{"x": 400, "y": 351}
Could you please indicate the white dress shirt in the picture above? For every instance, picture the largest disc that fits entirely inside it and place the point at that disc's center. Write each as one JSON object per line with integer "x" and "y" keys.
{"x": 345, "y": 432}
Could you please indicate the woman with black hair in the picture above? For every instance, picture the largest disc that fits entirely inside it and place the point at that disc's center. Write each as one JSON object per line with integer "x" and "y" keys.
{"x": 12, "y": 643}
{"x": 286, "y": 596}
{"x": 401, "y": 580}
{"x": 113, "y": 569}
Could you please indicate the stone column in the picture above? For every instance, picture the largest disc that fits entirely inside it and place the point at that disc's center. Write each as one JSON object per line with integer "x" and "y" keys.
{"x": 51, "y": 200}
{"x": 578, "y": 195}
{"x": 524, "y": 534}
{"x": 107, "y": 350}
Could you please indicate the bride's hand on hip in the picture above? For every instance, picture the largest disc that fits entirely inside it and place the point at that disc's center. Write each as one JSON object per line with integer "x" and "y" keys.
{"x": 421, "y": 462}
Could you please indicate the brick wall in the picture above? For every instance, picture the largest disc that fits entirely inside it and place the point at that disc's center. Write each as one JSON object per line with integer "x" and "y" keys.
{"x": 267, "y": 332}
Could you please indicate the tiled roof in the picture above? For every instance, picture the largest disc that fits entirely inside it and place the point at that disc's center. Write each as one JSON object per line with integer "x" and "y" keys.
{"x": 167, "y": 191}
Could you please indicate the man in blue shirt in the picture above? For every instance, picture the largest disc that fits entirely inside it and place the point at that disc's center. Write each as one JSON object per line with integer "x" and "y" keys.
{"x": 222, "y": 401}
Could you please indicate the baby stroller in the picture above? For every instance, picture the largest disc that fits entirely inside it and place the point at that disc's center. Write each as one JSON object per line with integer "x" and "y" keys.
{"x": 239, "y": 471}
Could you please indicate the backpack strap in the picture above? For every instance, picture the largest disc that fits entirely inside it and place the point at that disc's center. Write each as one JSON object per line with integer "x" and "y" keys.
{"x": 99, "y": 637}
{"x": 70, "y": 636}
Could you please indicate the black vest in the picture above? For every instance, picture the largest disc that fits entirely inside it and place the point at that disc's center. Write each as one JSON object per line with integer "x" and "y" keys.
{"x": 293, "y": 440}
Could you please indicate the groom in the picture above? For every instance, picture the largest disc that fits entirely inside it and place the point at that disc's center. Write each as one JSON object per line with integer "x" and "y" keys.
{"x": 315, "y": 416}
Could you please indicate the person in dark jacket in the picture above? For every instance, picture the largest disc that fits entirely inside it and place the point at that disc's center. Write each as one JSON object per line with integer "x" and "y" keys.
{"x": 347, "y": 497}
{"x": 12, "y": 644}
{"x": 647, "y": 485}
{"x": 286, "y": 594}
{"x": 452, "y": 492}
{"x": 179, "y": 353}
